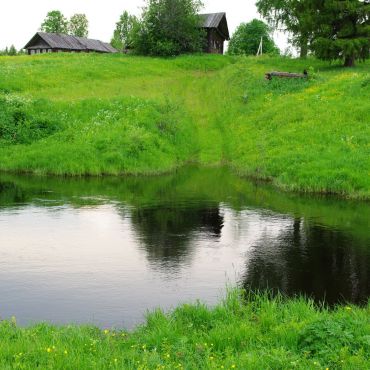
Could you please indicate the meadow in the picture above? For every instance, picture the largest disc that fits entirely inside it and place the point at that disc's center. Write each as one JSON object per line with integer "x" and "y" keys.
{"x": 71, "y": 114}
{"x": 242, "y": 332}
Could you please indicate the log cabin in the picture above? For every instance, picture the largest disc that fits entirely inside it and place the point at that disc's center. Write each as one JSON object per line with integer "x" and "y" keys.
{"x": 217, "y": 32}
{"x": 44, "y": 42}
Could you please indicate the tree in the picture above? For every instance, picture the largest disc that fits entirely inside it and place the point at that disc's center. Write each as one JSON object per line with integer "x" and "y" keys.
{"x": 123, "y": 36}
{"x": 291, "y": 16}
{"x": 332, "y": 29}
{"x": 247, "y": 38}
{"x": 55, "y": 22}
{"x": 341, "y": 30}
{"x": 12, "y": 51}
{"x": 170, "y": 27}
{"x": 78, "y": 25}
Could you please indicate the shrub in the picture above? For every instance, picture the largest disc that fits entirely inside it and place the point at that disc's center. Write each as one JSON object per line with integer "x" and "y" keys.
{"x": 19, "y": 125}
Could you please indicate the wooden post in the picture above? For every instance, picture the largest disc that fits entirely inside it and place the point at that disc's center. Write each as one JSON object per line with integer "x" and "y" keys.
{"x": 260, "y": 48}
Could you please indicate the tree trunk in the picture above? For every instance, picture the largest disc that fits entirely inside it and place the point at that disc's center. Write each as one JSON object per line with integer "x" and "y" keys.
{"x": 304, "y": 50}
{"x": 349, "y": 61}
{"x": 303, "y": 46}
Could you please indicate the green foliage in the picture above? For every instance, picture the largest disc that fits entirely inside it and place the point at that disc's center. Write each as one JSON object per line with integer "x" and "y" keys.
{"x": 253, "y": 332}
{"x": 334, "y": 30}
{"x": 247, "y": 38}
{"x": 334, "y": 338}
{"x": 23, "y": 121}
{"x": 12, "y": 51}
{"x": 78, "y": 25}
{"x": 342, "y": 30}
{"x": 55, "y": 22}
{"x": 291, "y": 16}
{"x": 126, "y": 28}
{"x": 169, "y": 27}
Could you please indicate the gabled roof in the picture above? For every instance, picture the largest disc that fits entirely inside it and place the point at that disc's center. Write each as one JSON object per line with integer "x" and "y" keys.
{"x": 216, "y": 20}
{"x": 68, "y": 42}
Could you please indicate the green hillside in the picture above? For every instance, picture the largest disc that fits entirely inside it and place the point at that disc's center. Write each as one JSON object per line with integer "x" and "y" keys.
{"x": 112, "y": 114}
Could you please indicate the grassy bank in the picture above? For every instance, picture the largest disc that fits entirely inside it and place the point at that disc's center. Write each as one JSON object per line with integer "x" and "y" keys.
{"x": 113, "y": 114}
{"x": 256, "y": 332}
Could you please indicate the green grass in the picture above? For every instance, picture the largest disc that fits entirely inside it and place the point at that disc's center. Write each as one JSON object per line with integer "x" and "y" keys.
{"x": 113, "y": 114}
{"x": 253, "y": 332}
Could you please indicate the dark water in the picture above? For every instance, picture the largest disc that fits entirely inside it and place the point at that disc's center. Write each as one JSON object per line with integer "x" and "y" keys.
{"x": 104, "y": 251}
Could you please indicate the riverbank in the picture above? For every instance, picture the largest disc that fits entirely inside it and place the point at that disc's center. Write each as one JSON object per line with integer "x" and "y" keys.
{"x": 117, "y": 115}
{"x": 240, "y": 333}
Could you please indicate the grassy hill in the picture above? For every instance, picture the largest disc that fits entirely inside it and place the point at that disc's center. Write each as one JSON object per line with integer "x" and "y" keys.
{"x": 70, "y": 114}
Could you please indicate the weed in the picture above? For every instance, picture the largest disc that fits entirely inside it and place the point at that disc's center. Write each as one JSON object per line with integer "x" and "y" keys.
{"x": 254, "y": 332}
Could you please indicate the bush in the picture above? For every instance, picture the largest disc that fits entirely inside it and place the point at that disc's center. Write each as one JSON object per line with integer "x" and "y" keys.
{"x": 18, "y": 125}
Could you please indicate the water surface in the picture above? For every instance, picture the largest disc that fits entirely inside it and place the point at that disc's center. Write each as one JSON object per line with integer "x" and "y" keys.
{"x": 104, "y": 251}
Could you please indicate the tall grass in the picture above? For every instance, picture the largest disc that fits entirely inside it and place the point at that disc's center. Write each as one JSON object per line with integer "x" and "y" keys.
{"x": 242, "y": 332}
{"x": 113, "y": 114}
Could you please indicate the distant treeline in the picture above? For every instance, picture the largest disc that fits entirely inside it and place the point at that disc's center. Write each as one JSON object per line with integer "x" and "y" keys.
{"x": 11, "y": 51}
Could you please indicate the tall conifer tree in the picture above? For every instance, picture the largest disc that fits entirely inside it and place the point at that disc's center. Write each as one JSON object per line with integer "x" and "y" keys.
{"x": 341, "y": 30}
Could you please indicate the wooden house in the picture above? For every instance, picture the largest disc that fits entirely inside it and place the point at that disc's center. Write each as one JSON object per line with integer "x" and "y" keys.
{"x": 56, "y": 42}
{"x": 217, "y": 32}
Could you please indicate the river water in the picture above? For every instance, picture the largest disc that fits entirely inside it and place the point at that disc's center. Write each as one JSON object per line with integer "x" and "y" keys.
{"x": 103, "y": 251}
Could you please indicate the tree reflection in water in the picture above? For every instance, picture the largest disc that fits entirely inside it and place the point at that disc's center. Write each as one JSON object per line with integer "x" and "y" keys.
{"x": 319, "y": 262}
{"x": 167, "y": 231}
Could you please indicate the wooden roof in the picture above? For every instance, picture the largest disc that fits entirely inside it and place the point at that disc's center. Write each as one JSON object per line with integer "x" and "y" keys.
{"x": 217, "y": 21}
{"x": 68, "y": 42}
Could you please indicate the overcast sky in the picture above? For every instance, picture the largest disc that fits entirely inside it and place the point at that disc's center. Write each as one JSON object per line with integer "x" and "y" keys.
{"x": 21, "y": 19}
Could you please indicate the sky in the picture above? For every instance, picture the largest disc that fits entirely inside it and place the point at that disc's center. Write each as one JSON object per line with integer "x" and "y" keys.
{"x": 21, "y": 19}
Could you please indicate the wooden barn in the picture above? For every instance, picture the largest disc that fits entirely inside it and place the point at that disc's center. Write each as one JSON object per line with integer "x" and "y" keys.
{"x": 56, "y": 42}
{"x": 217, "y": 32}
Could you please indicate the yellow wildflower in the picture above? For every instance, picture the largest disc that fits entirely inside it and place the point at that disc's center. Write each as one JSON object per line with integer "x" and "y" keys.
{"x": 48, "y": 350}
{"x": 106, "y": 331}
